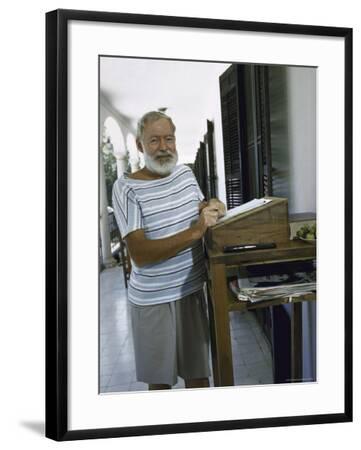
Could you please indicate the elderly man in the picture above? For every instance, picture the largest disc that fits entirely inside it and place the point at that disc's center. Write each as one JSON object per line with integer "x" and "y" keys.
{"x": 162, "y": 215}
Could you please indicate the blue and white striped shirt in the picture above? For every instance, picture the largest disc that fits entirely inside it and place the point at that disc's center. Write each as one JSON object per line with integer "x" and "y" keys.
{"x": 162, "y": 208}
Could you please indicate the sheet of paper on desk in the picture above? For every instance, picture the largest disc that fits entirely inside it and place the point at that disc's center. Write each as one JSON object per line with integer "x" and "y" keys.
{"x": 255, "y": 203}
{"x": 260, "y": 294}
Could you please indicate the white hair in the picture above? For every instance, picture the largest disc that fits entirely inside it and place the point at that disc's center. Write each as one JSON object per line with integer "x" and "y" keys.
{"x": 151, "y": 116}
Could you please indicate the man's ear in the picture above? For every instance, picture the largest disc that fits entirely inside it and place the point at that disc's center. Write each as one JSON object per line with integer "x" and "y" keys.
{"x": 139, "y": 146}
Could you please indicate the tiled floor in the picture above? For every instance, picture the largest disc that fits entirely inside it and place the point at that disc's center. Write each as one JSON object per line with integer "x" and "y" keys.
{"x": 252, "y": 359}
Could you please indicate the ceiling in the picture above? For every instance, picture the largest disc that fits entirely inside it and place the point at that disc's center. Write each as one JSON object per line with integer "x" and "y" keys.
{"x": 189, "y": 91}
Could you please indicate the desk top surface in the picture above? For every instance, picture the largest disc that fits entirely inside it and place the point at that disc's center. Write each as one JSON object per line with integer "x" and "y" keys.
{"x": 286, "y": 250}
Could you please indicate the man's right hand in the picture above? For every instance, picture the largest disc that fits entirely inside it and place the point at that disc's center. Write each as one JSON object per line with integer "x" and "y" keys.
{"x": 207, "y": 218}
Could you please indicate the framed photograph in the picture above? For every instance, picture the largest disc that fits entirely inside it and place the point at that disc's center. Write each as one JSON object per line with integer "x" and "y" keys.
{"x": 198, "y": 224}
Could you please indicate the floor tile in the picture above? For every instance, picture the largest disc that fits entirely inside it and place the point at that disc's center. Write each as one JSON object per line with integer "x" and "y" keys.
{"x": 251, "y": 358}
{"x": 245, "y": 339}
{"x": 121, "y": 378}
{"x": 126, "y": 359}
{"x": 138, "y": 386}
{"x": 266, "y": 379}
{"x": 240, "y": 372}
{"x": 109, "y": 358}
{"x": 104, "y": 380}
{"x": 124, "y": 366}
{"x": 248, "y": 381}
{"x": 116, "y": 388}
{"x": 110, "y": 351}
{"x": 242, "y": 331}
{"x": 106, "y": 369}
{"x": 253, "y": 348}
{"x": 237, "y": 357}
{"x": 258, "y": 369}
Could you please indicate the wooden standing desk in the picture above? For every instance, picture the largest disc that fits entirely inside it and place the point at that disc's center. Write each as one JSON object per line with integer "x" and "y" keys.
{"x": 221, "y": 302}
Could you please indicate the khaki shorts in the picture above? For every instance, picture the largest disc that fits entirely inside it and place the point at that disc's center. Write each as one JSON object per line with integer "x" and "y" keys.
{"x": 171, "y": 340}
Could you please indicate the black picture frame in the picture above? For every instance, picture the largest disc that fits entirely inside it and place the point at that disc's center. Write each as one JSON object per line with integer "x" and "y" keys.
{"x": 57, "y": 192}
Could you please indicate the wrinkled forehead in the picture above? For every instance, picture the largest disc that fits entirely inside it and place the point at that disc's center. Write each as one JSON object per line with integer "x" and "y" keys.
{"x": 159, "y": 126}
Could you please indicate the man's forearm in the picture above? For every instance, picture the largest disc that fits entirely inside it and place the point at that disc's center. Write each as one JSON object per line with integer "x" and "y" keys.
{"x": 145, "y": 251}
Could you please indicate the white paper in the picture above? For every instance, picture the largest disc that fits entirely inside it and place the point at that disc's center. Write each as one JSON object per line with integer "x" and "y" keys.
{"x": 253, "y": 204}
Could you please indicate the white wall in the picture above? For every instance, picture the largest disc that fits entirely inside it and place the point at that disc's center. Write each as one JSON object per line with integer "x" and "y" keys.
{"x": 218, "y": 145}
{"x": 301, "y": 86}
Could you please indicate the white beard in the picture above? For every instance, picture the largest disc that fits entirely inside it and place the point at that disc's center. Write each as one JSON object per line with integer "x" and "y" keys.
{"x": 160, "y": 167}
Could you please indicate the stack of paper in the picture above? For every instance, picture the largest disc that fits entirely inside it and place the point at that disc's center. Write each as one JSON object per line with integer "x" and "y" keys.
{"x": 252, "y": 294}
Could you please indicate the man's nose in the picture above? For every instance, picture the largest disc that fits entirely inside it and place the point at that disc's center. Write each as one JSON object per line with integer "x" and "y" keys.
{"x": 163, "y": 144}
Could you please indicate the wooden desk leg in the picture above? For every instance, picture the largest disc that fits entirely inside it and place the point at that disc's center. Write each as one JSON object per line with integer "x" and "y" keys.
{"x": 296, "y": 342}
{"x": 212, "y": 337}
{"x": 222, "y": 363}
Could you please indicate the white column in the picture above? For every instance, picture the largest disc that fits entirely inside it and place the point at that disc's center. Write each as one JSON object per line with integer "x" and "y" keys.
{"x": 133, "y": 152}
{"x": 134, "y": 163}
{"x": 122, "y": 163}
{"x": 302, "y": 138}
{"x": 108, "y": 260}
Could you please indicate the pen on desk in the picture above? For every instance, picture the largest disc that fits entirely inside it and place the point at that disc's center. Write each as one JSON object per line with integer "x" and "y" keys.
{"x": 245, "y": 247}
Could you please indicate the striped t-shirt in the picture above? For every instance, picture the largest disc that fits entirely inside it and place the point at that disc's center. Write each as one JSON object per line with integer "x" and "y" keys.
{"x": 162, "y": 208}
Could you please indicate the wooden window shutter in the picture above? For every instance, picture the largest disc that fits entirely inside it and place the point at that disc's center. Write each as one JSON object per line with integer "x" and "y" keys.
{"x": 246, "y": 133}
